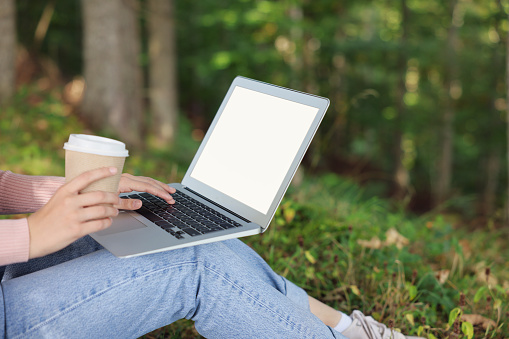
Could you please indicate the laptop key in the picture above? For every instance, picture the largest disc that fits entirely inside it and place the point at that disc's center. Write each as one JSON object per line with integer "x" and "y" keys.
{"x": 226, "y": 225}
{"x": 163, "y": 223}
{"x": 191, "y": 231}
{"x": 208, "y": 223}
{"x": 149, "y": 215}
{"x": 168, "y": 216}
{"x": 211, "y": 230}
{"x": 200, "y": 227}
{"x": 180, "y": 224}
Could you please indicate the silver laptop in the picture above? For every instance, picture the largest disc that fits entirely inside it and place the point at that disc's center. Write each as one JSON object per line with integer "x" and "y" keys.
{"x": 237, "y": 178}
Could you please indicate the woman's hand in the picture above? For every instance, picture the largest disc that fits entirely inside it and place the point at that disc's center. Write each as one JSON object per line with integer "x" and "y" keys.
{"x": 129, "y": 183}
{"x": 69, "y": 215}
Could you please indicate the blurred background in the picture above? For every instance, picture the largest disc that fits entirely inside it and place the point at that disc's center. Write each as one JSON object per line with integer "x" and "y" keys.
{"x": 417, "y": 88}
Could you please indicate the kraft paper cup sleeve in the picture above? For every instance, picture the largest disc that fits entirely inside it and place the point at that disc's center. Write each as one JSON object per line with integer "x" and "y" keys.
{"x": 77, "y": 163}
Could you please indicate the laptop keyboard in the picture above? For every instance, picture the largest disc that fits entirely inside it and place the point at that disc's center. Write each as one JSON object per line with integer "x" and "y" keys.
{"x": 186, "y": 217}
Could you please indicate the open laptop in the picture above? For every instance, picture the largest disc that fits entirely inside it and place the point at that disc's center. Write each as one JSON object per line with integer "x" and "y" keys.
{"x": 237, "y": 178}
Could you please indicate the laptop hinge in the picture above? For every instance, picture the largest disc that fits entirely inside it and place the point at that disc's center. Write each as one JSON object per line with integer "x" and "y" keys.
{"x": 215, "y": 203}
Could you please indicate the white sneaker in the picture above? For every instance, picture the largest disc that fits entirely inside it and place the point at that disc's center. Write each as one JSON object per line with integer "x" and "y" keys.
{"x": 363, "y": 327}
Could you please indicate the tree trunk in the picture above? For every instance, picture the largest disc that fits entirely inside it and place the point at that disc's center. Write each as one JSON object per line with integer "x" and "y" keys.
{"x": 507, "y": 121}
{"x": 490, "y": 188}
{"x": 444, "y": 173}
{"x": 296, "y": 39}
{"x": 334, "y": 140}
{"x": 162, "y": 70}
{"x": 7, "y": 50}
{"x": 493, "y": 162}
{"x": 401, "y": 176}
{"x": 112, "y": 99}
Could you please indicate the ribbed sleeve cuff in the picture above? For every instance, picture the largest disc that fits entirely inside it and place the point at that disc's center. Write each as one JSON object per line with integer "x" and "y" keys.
{"x": 25, "y": 193}
{"x": 14, "y": 241}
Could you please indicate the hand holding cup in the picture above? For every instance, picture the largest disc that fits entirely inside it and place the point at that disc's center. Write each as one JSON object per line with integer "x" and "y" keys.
{"x": 88, "y": 200}
{"x": 70, "y": 215}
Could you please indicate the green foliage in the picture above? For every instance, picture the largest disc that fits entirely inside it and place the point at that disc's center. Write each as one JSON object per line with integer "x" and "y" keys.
{"x": 33, "y": 130}
{"x": 318, "y": 236}
{"x": 356, "y": 54}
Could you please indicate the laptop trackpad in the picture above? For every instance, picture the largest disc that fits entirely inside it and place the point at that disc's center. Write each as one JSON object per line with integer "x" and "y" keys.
{"x": 121, "y": 223}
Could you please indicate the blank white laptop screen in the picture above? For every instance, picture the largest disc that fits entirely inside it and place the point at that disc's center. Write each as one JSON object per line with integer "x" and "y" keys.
{"x": 253, "y": 145}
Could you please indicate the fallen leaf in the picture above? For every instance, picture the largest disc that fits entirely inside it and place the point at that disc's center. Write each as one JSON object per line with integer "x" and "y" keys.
{"x": 289, "y": 214}
{"x": 374, "y": 243}
{"x": 442, "y": 276}
{"x": 468, "y": 329}
{"x": 355, "y": 290}
{"x": 394, "y": 238}
{"x": 476, "y": 319}
{"x": 310, "y": 257}
{"x": 410, "y": 318}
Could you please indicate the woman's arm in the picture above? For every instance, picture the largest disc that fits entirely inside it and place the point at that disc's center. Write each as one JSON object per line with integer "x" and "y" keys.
{"x": 26, "y": 193}
{"x": 65, "y": 215}
{"x": 14, "y": 241}
{"x": 21, "y": 194}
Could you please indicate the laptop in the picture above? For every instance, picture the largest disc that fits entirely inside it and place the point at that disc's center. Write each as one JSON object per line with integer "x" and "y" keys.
{"x": 237, "y": 178}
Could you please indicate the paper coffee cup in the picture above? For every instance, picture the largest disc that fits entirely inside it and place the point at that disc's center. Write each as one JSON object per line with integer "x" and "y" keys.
{"x": 87, "y": 152}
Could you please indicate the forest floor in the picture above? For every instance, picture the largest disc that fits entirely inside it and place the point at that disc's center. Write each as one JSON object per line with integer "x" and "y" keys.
{"x": 429, "y": 275}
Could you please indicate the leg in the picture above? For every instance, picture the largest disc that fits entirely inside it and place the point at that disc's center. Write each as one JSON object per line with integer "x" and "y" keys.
{"x": 360, "y": 327}
{"x": 77, "y": 249}
{"x": 325, "y": 313}
{"x": 98, "y": 295}
{"x": 258, "y": 264}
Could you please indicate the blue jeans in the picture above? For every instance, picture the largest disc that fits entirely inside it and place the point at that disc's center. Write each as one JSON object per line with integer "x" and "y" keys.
{"x": 83, "y": 291}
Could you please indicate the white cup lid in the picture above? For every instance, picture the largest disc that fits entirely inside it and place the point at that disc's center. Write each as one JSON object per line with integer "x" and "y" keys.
{"x": 96, "y": 145}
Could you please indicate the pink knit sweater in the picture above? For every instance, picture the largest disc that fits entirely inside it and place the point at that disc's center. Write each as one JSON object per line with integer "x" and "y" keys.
{"x": 21, "y": 194}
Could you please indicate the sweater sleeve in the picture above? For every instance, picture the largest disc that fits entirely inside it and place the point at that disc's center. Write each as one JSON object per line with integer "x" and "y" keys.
{"x": 21, "y": 194}
{"x": 26, "y": 193}
{"x": 14, "y": 241}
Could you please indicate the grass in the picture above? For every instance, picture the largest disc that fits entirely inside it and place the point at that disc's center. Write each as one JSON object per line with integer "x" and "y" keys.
{"x": 349, "y": 249}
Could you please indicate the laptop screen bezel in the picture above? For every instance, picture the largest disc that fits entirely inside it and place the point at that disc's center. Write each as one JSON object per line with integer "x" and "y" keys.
{"x": 230, "y": 203}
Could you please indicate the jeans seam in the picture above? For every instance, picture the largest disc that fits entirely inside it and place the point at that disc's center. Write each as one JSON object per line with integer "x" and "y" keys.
{"x": 251, "y": 297}
{"x": 4, "y": 320}
{"x": 84, "y": 301}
